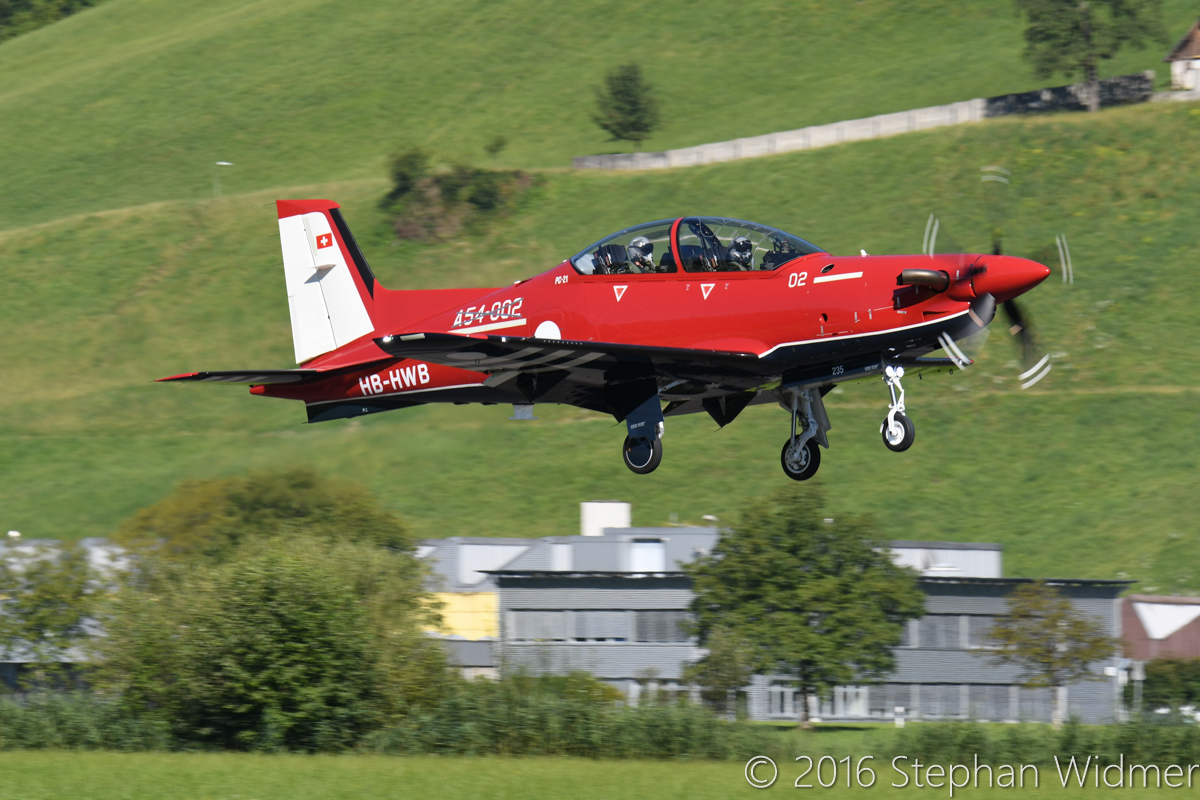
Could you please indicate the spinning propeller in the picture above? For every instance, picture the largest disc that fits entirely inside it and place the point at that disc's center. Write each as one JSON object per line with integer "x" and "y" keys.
{"x": 1037, "y": 363}
{"x": 972, "y": 281}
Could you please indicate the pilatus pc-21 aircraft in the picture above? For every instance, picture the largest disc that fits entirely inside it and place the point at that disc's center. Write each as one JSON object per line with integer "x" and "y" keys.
{"x": 670, "y": 317}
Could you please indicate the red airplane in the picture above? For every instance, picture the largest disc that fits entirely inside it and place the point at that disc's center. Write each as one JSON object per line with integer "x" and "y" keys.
{"x": 665, "y": 318}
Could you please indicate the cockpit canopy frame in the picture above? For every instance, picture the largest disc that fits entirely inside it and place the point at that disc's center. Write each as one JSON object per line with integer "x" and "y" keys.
{"x": 699, "y": 244}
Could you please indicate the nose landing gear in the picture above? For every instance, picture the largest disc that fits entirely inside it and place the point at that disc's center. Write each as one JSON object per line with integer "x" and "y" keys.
{"x": 897, "y": 430}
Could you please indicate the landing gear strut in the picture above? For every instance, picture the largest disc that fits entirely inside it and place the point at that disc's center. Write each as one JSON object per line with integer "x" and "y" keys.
{"x": 801, "y": 457}
{"x": 897, "y": 430}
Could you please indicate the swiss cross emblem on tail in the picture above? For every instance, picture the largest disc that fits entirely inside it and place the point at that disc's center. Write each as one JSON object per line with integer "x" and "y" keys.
{"x": 324, "y": 240}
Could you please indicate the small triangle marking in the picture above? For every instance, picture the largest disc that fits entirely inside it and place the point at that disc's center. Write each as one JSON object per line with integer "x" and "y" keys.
{"x": 706, "y": 288}
{"x": 619, "y": 291}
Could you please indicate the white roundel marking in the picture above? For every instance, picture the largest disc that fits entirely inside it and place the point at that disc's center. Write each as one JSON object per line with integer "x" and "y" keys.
{"x": 547, "y": 330}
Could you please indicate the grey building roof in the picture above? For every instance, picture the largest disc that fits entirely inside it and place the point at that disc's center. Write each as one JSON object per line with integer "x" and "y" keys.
{"x": 463, "y": 564}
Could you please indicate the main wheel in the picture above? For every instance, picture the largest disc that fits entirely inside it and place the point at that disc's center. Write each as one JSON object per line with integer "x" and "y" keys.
{"x": 800, "y": 463}
{"x": 642, "y": 455}
{"x": 900, "y": 435}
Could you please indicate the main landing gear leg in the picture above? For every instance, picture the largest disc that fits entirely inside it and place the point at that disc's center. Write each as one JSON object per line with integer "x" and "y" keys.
{"x": 643, "y": 448}
{"x": 897, "y": 430}
{"x": 801, "y": 457}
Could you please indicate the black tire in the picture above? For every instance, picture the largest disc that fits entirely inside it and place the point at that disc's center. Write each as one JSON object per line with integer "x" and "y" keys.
{"x": 642, "y": 455}
{"x": 900, "y": 439}
{"x": 802, "y": 465}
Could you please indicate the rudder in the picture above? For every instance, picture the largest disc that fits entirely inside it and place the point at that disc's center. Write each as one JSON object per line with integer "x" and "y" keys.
{"x": 330, "y": 286}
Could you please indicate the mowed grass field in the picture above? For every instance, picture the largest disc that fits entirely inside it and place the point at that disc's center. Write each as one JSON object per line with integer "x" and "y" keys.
{"x": 34, "y": 775}
{"x": 133, "y": 101}
{"x": 1091, "y": 474}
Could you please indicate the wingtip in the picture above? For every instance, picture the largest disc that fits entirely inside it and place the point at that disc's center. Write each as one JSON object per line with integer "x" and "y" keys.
{"x": 182, "y": 377}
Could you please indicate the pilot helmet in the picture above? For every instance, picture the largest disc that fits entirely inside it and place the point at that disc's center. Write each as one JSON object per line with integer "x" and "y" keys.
{"x": 640, "y": 250}
{"x": 740, "y": 249}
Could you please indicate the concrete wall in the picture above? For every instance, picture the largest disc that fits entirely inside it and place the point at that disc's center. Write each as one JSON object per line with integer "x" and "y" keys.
{"x": 1123, "y": 89}
{"x": 787, "y": 141}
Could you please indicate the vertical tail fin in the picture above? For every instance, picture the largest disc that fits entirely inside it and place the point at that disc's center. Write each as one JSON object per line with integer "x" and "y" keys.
{"x": 331, "y": 289}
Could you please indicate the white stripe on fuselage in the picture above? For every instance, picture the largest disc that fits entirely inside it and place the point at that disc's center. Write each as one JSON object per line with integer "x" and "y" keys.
{"x": 863, "y": 335}
{"x": 827, "y": 278}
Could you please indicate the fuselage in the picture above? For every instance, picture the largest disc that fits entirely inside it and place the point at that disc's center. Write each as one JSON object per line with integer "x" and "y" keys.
{"x": 810, "y": 315}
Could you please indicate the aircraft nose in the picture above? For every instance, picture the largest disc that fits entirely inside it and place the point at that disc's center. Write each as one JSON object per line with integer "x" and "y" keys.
{"x": 1008, "y": 276}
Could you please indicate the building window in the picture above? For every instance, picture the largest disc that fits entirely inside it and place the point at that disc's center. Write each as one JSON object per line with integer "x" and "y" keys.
{"x": 979, "y": 631}
{"x": 941, "y": 700}
{"x": 538, "y": 626}
{"x": 601, "y": 626}
{"x": 991, "y": 702}
{"x": 941, "y": 632}
{"x": 661, "y": 626}
{"x": 647, "y": 555}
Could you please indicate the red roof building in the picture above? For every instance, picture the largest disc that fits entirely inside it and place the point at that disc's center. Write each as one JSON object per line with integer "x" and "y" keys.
{"x": 1161, "y": 627}
{"x": 1184, "y": 59}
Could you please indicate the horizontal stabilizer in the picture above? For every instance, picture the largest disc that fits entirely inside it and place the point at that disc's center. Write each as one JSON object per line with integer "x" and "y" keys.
{"x": 256, "y": 377}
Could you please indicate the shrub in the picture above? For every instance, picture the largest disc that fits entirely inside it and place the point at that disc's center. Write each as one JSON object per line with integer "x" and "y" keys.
{"x": 431, "y": 203}
{"x": 294, "y": 643}
{"x": 407, "y": 168}
{"x": 575, "y": 716}
{"x": 78, "y": 721}
{"x": 960, "y": 742}
{"x": 1170, "y": 683}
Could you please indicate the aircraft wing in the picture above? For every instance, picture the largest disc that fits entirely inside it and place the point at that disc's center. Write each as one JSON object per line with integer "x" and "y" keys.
{"x": 256, "y": 377}
{"x": 512, "y": 354}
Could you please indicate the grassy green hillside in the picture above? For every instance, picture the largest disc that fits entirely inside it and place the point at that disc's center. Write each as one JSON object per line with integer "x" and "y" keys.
{"x": 1092, "y": 474}
{"x": 133, "y": 101}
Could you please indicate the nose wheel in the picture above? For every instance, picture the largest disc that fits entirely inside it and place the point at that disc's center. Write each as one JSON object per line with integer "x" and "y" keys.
{"x": 898, "y": 433}
{"x": 642, "y": 455}
{"x": 800, "y": 459}
{"x": 897, "y": 430}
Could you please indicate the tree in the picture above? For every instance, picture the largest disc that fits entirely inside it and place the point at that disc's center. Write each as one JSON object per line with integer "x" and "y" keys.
{"x": 296, "y": 642}
{"x": 45, "y": 600}
{"x": 819, "y": 601}
{"x": 21, "y": 16}
{"x": 626, "y": 106}
{"x": 729, "y": 665}
{"x": 1051, "y": 644}
{"x": 208, "y": 519}
{"x": 1072, "y": 37}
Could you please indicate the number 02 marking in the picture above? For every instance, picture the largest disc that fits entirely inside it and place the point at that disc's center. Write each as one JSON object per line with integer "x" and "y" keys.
{"x": 797, "y": 279}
